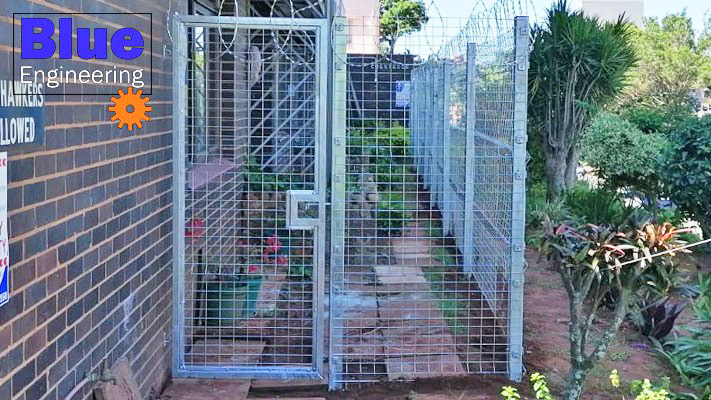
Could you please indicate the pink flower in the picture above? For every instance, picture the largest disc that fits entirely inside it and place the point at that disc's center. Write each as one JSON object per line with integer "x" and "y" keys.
{"x": 281, "y": 260}
{"x": 253, "y": 269}
{"x": 273, "y": 244}
{"x": 195, "y": 228}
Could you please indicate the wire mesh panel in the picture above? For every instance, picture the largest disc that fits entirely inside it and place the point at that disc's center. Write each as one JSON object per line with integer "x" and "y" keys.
{"x": 425, "y": 272}
{"x": 250, "y": 219}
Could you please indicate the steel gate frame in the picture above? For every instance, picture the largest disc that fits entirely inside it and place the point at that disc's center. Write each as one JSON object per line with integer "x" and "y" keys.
{"x": 180, "y": 23}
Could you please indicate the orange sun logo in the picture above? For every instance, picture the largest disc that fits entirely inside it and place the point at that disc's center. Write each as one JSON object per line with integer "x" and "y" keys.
{"x": 130, "y": 109}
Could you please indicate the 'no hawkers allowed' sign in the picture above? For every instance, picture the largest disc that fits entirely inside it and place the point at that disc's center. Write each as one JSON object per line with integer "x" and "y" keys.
{"x": 4, "y": 250}
{"x": 21, "y": 123}
{"x": 21, "y": 113}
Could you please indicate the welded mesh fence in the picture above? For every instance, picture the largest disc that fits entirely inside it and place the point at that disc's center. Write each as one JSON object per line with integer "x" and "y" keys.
{"x": 427, "y": 200}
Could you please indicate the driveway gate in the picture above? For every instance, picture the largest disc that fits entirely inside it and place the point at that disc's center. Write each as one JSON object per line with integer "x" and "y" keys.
{"x": 249, "y": 228}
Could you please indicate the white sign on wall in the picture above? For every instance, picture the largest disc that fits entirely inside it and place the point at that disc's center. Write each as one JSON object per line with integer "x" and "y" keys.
{"x": 402, "y": 94}
{"x": 4, "y": 252}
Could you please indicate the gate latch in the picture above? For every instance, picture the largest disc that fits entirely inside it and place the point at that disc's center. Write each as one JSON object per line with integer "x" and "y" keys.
{"x": 302, "y": 208}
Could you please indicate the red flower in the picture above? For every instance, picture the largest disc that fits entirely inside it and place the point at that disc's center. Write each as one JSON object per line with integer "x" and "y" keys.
{"x": 614, "y": 249}
{"x": 195, "y": 228}
{"x": 273, "y": 244}
{"x": 253, "y": 269}
{"x": 281, "y": 260}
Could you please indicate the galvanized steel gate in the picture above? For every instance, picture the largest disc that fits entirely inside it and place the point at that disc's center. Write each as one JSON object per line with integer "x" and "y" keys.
{"x": 250, "y": 117}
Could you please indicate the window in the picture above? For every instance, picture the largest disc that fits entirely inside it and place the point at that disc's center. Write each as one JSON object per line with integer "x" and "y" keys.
{"x": 198, "y": 72}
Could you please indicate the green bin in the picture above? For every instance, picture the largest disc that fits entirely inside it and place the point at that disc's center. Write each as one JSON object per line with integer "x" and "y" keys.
{"x": 229, "y": 302}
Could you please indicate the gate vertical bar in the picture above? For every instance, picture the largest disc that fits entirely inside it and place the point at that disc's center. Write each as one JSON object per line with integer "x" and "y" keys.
{"x": 429, "y": 103}
{"x": 519, "y": 199}
{"x": 469, "y": 257}
{"x": 179, "y": 113}
{"x": 338, "y": 200}
{"x": 321, "y": 144}
{"x": 446, "y": 156}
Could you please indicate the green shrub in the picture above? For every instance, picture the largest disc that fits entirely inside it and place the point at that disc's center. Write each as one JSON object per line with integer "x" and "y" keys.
{"x": 392, "y": 213}
{"x": 538, "y": 208}
{"x": 383, "y": 152}
{"x": 623, "y": 155}
{"x": 391, "y": 142}
{"x": 672, "y": 215}
{"x": 596, "y": 206}
{"x": 690, "y": 353}
{"x": 687, "y": 175}
{"x": 263, "y": 180}
{"x": 652, "y": 120}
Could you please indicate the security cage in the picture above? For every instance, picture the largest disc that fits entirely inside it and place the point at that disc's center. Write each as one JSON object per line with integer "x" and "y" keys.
{"x": 343, "y": 210}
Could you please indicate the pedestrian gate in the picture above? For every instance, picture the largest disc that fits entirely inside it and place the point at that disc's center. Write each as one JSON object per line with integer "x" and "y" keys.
{"x": 249, "y": 162}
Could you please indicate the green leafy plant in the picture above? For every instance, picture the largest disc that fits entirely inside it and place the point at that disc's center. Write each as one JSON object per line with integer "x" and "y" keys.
{"x": 538, "y": 208}
{"x": 385, "y": 153}
{"x": 687, "y": 176}
{"x": 262, "y": 180}
{"x": 671, "y": 215}
{"x": 655, "y": 120}
{"x": 640, "y": 389}
{"x": 596, "y": 206}
{"x": 645, "y": 390}
{"x": 392, "y": 213}
{"x": 690, "y": 353}
{"x": 624, "y": 156}
{"x": 594, "y": 261}
{"x": 510, "y": 393}
{"x": 540, "y": 386}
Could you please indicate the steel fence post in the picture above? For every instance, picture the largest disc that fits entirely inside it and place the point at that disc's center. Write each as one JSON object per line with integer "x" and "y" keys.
{"x": 521, "y": 43}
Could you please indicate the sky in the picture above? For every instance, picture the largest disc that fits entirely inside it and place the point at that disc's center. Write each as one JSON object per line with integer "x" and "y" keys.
{"x": 652, "y": 8}
{"x": 448, "y": 16}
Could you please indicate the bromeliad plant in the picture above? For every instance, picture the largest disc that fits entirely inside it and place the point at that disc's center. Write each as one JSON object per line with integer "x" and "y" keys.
{"x": 594, "y": 261}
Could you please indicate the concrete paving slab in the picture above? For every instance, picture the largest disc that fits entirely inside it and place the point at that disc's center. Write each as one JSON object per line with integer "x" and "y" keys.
{"x": 207, "y": 389}
{"x": 424, "y": 366}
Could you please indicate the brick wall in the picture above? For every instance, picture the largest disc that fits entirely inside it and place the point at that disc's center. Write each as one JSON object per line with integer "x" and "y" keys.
{"x": 90, "y": 226}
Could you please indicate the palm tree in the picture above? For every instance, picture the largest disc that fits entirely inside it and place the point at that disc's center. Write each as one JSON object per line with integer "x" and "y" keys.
{"x": 577, "y": 65}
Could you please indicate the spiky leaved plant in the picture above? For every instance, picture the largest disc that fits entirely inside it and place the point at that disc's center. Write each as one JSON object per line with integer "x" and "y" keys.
{"x": 594, "y": 261}
{"x": 578, "y": 64}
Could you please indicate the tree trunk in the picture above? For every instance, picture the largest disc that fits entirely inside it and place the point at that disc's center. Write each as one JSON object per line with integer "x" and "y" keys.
{"x": 571, "y": 168}
{"x": 575, "y": 382}
{"x": 556, "y": 166}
